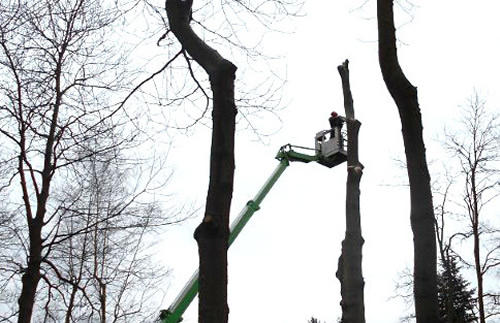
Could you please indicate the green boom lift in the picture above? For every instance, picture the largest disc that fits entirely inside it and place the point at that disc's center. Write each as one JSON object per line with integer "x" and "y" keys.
{"x": 328, "y": 152}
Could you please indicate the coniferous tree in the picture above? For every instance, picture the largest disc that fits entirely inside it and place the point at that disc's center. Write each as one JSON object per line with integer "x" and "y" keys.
{"x": 456, "y": 299}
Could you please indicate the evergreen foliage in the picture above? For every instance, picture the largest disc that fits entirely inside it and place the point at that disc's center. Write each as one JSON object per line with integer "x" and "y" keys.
{"x": 456, "y": 299}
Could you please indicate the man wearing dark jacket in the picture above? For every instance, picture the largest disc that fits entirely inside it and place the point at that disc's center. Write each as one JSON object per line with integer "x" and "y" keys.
{"x": 335, "y": 122}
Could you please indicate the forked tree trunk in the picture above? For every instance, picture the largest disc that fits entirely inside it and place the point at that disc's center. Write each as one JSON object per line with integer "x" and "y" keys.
{"x": 350, "y": 270}
{"x": 32, "y": 275}
{"x": 422, "y": 211}
{"x": 213, "y": 233}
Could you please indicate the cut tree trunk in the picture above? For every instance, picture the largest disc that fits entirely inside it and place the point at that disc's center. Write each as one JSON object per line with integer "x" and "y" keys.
{"x": 422, "y": 211}
{"x": 349, "y": 270}
{"x": 213, "y": 233}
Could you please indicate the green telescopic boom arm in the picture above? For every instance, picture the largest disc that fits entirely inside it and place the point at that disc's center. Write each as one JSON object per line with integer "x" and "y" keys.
{"x": 174, "y": 313}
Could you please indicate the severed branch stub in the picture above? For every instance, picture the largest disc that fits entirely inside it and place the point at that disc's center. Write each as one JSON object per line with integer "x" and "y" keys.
{"x": 349, "y": 270}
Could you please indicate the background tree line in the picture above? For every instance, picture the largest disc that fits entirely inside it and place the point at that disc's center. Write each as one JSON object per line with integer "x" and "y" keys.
{"x": 79, "y": 207}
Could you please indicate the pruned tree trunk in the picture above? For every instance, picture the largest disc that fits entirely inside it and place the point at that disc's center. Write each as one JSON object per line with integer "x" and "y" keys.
{"x": 422, "y": 211}
{"x": 350, "y": 270}
{"x": 213, "y": 233}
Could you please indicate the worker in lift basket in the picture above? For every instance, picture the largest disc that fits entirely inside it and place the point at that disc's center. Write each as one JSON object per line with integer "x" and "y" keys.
{"x": 335, "y": 122}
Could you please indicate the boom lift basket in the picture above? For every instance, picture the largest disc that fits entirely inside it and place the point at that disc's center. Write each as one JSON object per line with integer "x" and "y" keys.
{"x": 331, "y": 151}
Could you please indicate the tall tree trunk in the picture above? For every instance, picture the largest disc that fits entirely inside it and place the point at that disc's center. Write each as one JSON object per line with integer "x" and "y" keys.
{"x": 350, "y": 270}
{"x": 477, "y": 247}
{"x": 213, "y": 233}
{"x": 422, "y": 212}
{"x": 31, "y": 276}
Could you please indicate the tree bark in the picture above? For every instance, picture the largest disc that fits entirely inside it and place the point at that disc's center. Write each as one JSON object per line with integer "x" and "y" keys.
{"x": 477, "y": 244}
{"x": 213, "y": 233}
{"x": 422, "y": 212}
{"x": 350, "y": 270}
{"x": 31, "y": 276}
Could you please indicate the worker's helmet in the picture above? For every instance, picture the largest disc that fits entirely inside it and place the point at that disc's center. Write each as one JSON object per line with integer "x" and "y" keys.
{"x": 334, "y": 114}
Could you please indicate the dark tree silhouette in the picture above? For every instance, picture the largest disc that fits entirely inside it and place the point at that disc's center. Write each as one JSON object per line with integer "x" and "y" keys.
{"x": 213, "y": 233}
{"x": 349, "y": 269}
{"x": 422, "y": 211}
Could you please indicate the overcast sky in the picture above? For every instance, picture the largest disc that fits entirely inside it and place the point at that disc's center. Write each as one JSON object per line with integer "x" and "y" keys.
{"x": 282, "y": 267}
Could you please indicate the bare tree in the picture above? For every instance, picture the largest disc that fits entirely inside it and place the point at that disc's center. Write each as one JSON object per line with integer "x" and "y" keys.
{"x": 444, "y": 252}
{"x": 349, "y": 269}
{"x": 456, "y": 302}
{"x": 422, "y": 211}
{"x": 213, "y": 233}
{"x": 101, "y": 248}
{"x": 58, "y": 72}
{"x": 477, "y": 148}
